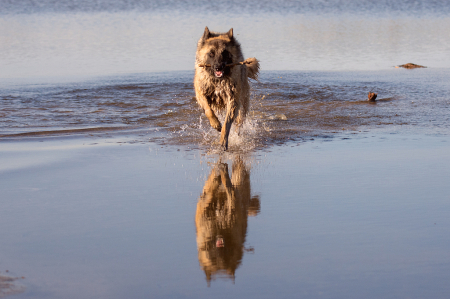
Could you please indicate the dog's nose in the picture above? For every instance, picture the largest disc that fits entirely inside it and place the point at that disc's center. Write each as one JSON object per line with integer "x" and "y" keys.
{"x": 219, "y": 66}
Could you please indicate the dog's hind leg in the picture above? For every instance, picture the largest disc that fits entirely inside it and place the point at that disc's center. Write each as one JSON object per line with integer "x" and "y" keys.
{"x": 239, "y": 121}
{"x": 231, "y": 115}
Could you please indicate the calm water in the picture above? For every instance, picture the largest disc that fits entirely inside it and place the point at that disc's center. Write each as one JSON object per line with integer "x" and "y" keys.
{"x": 68, "y": 38}
{"x": 365, "y": 217}
{"x": 112, "y": 184}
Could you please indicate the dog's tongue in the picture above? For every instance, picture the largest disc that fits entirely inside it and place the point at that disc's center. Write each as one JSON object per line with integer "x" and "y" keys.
{"x": 219, "y": 74}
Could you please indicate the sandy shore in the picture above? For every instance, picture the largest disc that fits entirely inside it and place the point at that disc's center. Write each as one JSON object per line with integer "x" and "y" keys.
{"x": 356, "y": 217}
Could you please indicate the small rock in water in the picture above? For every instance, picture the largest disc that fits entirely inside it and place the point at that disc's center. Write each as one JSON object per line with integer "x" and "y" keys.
{"x": 410, "y": 66}
{"x": 372, "y": 97}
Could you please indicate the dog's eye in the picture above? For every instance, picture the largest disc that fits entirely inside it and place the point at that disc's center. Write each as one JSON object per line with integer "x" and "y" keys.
{"x": 211, "y": 54}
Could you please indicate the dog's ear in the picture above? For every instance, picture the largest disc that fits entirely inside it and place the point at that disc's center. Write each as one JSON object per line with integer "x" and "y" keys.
{"x": 206, "y": 34}
{"x": 230, "y": 33}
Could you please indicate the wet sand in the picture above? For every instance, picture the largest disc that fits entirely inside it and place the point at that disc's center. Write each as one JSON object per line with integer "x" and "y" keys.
{"x": 353, "y": 216}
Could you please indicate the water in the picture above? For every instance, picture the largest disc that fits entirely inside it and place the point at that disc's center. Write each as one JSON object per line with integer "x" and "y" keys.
{"x": 108, "y": 66}
{"x": 113, "y": 184}
{"x": 79, "y": 38}
{"x": 286, "y": 106}
{"x": 360, "y": 217}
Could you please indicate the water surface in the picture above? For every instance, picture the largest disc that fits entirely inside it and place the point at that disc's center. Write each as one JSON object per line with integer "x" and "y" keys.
{"x": 113, "y": 185}
{"x": 360, "y": 217}
{"x": 68, "y": 38}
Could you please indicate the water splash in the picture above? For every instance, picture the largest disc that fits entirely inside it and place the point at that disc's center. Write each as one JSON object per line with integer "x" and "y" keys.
{"x": 243, "y": 139}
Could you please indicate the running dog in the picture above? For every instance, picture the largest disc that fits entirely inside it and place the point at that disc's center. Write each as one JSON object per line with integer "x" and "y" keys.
{"x": 221, "y": 80}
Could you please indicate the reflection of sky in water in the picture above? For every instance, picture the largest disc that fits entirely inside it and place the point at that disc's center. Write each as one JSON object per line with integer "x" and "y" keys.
{"x": 359, "y": 218}
{"x": 115, "y": 41}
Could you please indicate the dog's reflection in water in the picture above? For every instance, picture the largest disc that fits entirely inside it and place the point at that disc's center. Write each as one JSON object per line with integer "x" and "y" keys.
{"x": 221, "y": 219}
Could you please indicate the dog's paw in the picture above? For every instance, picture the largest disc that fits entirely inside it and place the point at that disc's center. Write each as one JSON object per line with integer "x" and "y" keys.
{"x": 224, "y": 145}
{"x": 216, "y": 125}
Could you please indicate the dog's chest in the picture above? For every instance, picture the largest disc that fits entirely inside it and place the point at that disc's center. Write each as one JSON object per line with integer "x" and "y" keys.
{"x": 219, "y": 98}
{"x": 221, "y": 93}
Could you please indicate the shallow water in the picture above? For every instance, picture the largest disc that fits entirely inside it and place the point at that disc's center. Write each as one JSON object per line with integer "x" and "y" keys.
{"x": 89, "y": 67}
{"x": 285, "y": 106}
{"x": 113, "y": 185}
{"x": 360, "y": 217}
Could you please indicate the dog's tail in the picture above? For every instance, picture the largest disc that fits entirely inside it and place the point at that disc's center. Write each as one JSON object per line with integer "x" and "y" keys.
{"x": 252, "y": 68}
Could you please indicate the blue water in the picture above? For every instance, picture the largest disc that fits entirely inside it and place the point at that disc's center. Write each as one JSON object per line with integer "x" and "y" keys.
{"x": 285, "y": 106}
{"x": 113, "y": 185}
{"x": 365, "y": 216}
{"x": 70, "y": 67}
{"x": 57, "y": 39}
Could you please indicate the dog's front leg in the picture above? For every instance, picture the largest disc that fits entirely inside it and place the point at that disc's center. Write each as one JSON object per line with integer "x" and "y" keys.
{"x": 231, "y": 115}
{"x": 215, "y": 123}
{"x": 202, "y": 99}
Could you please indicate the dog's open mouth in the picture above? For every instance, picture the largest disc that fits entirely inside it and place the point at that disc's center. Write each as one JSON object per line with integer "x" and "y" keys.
{"x": 218, "y": 74}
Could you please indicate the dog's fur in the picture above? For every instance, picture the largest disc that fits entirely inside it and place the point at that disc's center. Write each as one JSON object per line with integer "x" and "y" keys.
{"x": 219, "y": 86}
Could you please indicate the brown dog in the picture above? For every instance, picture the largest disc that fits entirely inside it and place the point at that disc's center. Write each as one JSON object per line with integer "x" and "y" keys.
{"x": 222, "y": 80}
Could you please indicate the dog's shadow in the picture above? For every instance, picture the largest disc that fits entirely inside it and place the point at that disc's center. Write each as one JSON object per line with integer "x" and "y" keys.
{"x": 221, "y": 219}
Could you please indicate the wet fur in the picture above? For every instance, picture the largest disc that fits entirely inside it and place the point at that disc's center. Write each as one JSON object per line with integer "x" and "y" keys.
{"x": 231, "y": 92}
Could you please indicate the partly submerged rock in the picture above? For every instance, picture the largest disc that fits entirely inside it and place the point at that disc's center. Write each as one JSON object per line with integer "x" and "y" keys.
{"x": 410, "y": 66}
{"x": 372, "y": 97}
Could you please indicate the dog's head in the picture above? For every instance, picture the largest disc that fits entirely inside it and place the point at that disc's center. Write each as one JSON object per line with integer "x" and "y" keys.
{"x": 217, "y": 50}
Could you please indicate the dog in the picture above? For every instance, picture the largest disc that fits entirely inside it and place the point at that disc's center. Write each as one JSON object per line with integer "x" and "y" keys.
{"x": 221, "y": 80}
